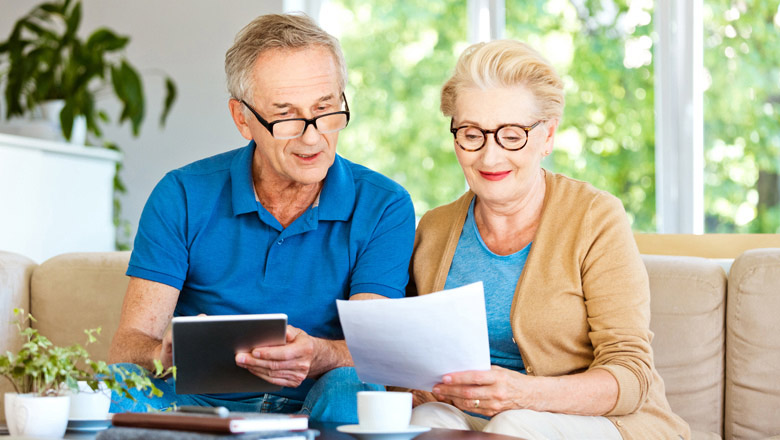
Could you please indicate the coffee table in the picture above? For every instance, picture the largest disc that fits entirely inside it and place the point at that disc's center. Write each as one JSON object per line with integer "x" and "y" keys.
{"x": 328, "y": 432}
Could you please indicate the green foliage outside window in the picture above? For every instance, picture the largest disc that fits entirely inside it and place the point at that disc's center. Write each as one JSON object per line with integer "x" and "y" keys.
{"x": 742, "y": 115}
{"x": 602, "y": 52}
{"x": 400, "y": 53}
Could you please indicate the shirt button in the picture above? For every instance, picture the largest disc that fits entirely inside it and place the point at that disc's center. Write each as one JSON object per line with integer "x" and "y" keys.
{"x": 529, "y": 369}
{"x": 280, "y": 241}
{"x": 619, "y": 423}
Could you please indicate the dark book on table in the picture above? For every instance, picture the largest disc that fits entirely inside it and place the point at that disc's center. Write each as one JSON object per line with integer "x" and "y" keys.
{"x": 125, "y": 433}
{"x": 235, "y": 423}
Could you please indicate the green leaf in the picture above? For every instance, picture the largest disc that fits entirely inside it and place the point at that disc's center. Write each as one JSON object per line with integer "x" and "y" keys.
{"x": 44, "y": 34}
{"x": 52, "y": 8}
{"x": 73, "y": 21}
{"x": 132, "y": 97}
{"x": 67, "y": 115}
{"x": 106, "y": 40}
{"x": 170, "y": 97}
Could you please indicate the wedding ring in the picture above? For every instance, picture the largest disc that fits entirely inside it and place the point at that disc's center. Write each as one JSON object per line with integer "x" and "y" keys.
{"x": 476, "y": 403}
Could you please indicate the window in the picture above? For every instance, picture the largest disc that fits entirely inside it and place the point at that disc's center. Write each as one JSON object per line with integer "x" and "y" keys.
{"x": 742, "y": 115}
{"x": 399, "y": 54}
{"x": 603, "y": 52}
{"x": 651, "y": 87}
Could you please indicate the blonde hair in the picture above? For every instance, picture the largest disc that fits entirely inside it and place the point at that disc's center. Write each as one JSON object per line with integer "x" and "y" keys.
{"x": 505, "y": 63}
{"x": 275, "y": 31}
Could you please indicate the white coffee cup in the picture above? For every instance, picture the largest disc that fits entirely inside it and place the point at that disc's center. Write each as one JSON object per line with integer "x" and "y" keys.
{"x": 88, "y": 404}
{"x": 384, "y": 411}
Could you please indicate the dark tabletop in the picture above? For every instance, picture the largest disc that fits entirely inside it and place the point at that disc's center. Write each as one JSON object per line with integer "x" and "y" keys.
{"x": 328, "y": 432}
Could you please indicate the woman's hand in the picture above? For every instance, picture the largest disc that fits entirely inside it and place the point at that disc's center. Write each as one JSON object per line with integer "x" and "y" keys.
{"x": 486, "y": 392}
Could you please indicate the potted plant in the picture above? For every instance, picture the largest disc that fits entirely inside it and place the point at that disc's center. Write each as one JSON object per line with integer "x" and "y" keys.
{"x": 44, "y": 59}
{"x": 44, "y": 375}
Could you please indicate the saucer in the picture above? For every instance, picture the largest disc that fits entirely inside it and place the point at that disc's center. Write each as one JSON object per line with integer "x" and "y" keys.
{"x": 89, "y": 425}
{"x": 364, "y": 434}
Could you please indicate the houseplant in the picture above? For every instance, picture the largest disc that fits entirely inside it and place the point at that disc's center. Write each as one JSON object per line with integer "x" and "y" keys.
{"x": 47, "y": 373}
{"x": 44, "y": 59}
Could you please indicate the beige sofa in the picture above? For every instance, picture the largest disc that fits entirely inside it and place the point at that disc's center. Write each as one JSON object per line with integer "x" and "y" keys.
{"x": 717, "y": 337}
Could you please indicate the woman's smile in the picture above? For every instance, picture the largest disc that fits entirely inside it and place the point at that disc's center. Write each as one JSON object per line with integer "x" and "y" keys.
{"x": 494, "y": 175}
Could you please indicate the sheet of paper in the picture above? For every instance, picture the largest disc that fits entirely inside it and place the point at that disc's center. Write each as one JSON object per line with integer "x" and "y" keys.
{"x": 412, "y": 342}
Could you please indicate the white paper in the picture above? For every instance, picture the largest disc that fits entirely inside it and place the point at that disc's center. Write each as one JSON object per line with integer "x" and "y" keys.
{"x": 412, "y": 342}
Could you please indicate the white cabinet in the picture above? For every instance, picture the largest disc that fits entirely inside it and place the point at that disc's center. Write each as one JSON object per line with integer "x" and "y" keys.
{"x": 55, "y": 197}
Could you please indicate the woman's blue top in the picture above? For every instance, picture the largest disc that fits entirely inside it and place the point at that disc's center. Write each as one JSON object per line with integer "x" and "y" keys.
{"x": 473, "y": 262}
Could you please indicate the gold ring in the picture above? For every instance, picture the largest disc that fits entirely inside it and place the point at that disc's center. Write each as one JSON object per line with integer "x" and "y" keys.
{"x": 476, "y": 403}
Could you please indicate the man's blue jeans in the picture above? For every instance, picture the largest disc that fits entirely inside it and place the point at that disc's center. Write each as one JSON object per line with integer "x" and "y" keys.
{"x": 333, "y": 398}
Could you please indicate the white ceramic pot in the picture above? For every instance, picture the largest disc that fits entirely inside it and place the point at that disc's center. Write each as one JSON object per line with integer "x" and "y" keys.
{"x": 44, "y": 123}
{"x": 88, "y": 404}
{"x": 50, "y": 111}
{"x": 35, "y": 416}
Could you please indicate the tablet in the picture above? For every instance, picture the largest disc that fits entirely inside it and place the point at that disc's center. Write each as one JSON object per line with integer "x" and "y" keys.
{"x": 205, "y": 347}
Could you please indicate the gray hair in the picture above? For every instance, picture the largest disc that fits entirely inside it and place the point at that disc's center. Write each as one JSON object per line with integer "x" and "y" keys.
{"x": 506, "y": 63}
{"x": 275, "y": 31}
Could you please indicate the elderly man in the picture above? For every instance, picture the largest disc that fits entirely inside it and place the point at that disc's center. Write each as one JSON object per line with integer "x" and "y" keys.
{"x": 282, "y": 225}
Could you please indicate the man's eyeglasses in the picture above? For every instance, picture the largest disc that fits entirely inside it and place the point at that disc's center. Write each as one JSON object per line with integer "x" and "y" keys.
{"x": 510, "y": 137}
{"x": 295, "y": 127}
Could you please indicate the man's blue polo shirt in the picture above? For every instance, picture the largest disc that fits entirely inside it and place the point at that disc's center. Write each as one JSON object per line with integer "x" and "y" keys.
{"x": 203, "y": 231}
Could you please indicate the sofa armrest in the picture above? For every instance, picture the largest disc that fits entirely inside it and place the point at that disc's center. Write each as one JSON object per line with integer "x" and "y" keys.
{"x": 15, "y": 274}
{"x": 753, "y": 346}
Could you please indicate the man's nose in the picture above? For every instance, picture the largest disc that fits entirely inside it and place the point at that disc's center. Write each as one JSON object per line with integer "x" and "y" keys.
{"x": 310, "y": 135}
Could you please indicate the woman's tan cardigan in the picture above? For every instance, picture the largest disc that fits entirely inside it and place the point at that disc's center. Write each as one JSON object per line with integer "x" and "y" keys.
{"x": 582, "y": 302}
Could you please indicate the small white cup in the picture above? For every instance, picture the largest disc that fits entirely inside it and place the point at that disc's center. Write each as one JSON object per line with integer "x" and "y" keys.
{"x": 384, "y": 411}
{"x": 88, "y": 404}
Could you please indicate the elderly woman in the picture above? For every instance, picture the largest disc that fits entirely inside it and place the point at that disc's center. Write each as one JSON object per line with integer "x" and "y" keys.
{"x": 566, "y": 292}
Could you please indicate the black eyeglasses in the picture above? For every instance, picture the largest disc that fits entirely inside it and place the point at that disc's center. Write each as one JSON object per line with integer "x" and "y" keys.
{"x": 295, "y": 127}
{"x": 510, "y": 137}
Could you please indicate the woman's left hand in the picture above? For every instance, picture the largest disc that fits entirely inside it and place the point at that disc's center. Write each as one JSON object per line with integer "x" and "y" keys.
{"x": 486, "y": 392}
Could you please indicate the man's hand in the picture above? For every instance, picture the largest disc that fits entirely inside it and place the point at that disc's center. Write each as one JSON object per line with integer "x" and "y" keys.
{"x": 285, "y": 365}
{"x": 166, "y": 349}
{"x": 303, "y": 356}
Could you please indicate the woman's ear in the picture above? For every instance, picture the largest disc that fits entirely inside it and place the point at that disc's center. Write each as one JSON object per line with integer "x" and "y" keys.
{"x": 549, "y": 141}
{"x": 237, "y": 113}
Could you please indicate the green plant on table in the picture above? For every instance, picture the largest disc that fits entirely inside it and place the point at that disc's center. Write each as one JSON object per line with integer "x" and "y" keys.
{"x": 44, "y": 369}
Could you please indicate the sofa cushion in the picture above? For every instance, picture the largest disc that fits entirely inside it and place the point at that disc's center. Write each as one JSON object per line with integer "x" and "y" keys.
{"x": 77, "y": 291}
{"x": 15, "y": 273}
{"x": 687, "y": 301}
{"x": 753, "y": 346}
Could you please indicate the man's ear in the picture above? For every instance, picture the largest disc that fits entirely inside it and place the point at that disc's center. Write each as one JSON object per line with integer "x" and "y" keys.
{"x": 237, "y": 113}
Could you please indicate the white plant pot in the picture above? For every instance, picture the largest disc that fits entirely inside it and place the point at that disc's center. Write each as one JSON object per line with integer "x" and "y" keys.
{"x": 88, "y": 404}
{"x": 50, "y": 112}
{"x": 34, "y": 416}
{"x": 44, "y": 123}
